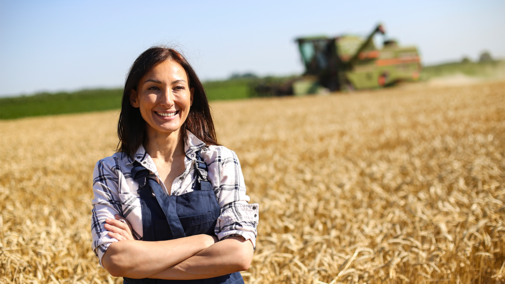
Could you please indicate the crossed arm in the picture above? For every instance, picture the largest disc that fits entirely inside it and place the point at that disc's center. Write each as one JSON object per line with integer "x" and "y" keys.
{"x": 194, "y": 257}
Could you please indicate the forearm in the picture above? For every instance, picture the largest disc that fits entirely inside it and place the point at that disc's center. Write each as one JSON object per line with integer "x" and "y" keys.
{"x": 142, "y": 259}
{"x": 224, "y": 257}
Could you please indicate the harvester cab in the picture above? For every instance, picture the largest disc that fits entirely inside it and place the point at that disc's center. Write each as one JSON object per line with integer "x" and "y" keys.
{"x": 350, "y": 62}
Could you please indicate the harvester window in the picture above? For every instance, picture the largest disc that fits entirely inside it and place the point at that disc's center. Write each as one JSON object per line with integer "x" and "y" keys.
{"x": 307, "y": 50}
{"x": 321, "y": 59}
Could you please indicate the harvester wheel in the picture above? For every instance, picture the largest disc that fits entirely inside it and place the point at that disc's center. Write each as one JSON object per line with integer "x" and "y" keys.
{"x": 349, "y": 87}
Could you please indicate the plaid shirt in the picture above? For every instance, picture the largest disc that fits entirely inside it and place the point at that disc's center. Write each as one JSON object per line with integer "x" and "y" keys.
{"x": 115, "y": 192}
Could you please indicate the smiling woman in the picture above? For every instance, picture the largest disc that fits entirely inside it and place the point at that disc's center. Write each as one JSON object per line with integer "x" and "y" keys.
{"x": 171, "y": 204}
{"x": 163, "y": 97}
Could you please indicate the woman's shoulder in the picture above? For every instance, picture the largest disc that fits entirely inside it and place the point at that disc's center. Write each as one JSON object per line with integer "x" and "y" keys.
{"x": 218, "y": 150}
{"x": 219, "y": 155}
{"x": 194, "y": 144}
{"x": 116, "y": 161}
{"x": 118, "y": 156}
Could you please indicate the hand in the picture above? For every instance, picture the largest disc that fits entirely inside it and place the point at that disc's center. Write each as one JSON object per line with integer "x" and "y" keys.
{"x": 119, "y": 228}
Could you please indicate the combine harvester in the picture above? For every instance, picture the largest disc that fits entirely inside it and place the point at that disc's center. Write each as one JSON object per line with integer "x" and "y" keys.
{"x": 347, "y": 63}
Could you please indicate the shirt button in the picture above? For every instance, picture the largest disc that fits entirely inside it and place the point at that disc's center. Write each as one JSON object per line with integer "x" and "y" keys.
{"x": 255, "y": 215}
{"x": 254, "y": 207}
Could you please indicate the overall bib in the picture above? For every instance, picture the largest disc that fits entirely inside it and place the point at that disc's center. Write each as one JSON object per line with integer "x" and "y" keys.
{"x": 167, "y": 217}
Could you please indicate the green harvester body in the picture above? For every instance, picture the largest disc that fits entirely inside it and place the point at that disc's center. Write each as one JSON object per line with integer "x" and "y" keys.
{"x": 348, "y": 62}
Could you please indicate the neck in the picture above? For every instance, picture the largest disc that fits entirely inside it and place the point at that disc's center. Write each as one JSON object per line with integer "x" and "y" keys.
{"x": 164, "y": 146}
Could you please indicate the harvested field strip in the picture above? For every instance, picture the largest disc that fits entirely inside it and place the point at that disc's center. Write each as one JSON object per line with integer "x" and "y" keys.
{"x": 386, "y": 186}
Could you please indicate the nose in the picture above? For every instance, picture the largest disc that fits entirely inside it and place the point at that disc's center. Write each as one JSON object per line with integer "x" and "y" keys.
{"x": 167, "y": 98}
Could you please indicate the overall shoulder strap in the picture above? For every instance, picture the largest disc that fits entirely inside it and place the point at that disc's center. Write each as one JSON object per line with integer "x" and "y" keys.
{"x": 139, "y": 174}
{"x": 201, "y": 169}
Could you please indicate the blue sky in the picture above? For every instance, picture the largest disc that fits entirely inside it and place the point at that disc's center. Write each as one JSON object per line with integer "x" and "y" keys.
{"x": 69, "y": 45}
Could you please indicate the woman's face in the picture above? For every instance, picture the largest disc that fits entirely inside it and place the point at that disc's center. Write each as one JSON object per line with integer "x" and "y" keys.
{"x": 163, "y": 97}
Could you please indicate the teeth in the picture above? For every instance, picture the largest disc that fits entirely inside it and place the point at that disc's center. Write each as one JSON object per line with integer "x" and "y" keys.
{"x": 168, "y": 114}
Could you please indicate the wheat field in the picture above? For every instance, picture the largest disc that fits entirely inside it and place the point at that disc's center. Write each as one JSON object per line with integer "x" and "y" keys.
{"x": 404, "y": 185}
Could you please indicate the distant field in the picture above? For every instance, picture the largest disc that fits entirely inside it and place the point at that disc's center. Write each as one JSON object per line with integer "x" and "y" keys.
{"x": 227, "y": 90}
{"x": 107, "y": 99}
{"x": 487, "y": 70}
{"x": 99, "y": 100}
{"x": 402, "y": 185}
{"x": 60, "y": 103}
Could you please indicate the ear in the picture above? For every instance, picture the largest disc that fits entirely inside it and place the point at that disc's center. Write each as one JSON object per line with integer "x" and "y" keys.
{"x": 134, "y": 101}
{"x": 192, "y": 90}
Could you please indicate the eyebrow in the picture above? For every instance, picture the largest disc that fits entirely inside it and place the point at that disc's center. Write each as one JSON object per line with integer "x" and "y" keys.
{"x": 159, "y": 82}
{"x": 152, "y": 80}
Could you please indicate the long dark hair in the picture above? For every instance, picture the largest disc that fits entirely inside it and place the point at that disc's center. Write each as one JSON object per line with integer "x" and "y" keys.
{"x": 131, "y": 128}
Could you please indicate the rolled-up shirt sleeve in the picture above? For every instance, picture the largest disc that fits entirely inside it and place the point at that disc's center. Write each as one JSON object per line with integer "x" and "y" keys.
{"x": 238, "y": 217}
{"x": 105, "y": 204}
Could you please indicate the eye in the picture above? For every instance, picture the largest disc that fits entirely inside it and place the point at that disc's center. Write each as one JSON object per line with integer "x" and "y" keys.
{"x": 153, "y": 88}
{"x": 178, "y": 88}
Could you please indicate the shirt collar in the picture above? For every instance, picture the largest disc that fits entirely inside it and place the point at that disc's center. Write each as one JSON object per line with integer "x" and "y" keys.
{"x": 144, "y": 159}
{"x": 192, "y": 145}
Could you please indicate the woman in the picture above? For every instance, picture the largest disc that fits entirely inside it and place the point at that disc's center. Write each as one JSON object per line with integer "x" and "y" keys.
{"x": 171, "y": 203}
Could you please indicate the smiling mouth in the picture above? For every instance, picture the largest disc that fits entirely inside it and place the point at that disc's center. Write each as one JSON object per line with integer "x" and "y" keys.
{"x": 167, "y": 114}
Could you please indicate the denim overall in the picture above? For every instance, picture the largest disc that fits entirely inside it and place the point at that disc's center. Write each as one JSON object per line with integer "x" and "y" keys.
{"x": 167, "y": 217}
